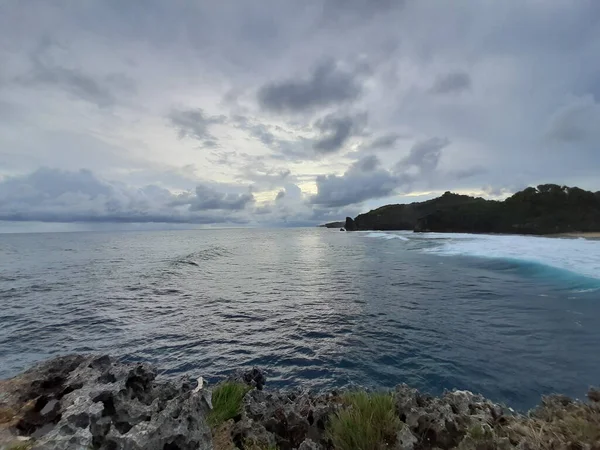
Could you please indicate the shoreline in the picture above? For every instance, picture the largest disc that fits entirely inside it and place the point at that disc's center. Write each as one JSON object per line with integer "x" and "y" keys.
{"x": 572, "y": 234}
{"x": 98, "y": 402}
{"x": 578, "y": 234}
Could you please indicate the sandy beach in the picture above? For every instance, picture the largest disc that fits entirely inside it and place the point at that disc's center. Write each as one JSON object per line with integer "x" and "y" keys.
{"x": 583, "y": 234}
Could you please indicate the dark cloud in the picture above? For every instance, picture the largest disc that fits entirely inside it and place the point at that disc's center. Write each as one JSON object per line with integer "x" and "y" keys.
{"x": 365, "y": 180}
{"x": 451, "y": 83}
{"x": 361, "y": 182}
{"x": 327, "y": 85}
{"x": 336, "y": 130}
{"x": 425, "y": 155}
{"x": 195, "y": 124}
{"x": 52, "y": 195}
{"x": 333, "y": 132}
{"x": 207, "y": 198}
{"x": 367, "y": 163}
{"x": 352, "y": 188}
{"x": 280, "y": 195}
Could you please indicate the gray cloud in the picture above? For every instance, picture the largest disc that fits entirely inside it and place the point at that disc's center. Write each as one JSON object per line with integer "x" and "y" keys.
{"x": 256, "y": 129}
{"x": 576, "y": 121}
{"x": 283, "y": 71}
{"x": 352, "y": 188}
{"x": 264, "y": 176}
{"x": 102, "y": 91}
{"x": 367, "y": 163}
{"x": 333, "y": 132}
{"x": 284, "y": 148}
{"x": 384, "y": 141}
{"x": 425, "y": 154}
{"x": 468, "y": 172}
{"x": 327, "y": 85}
{"x": 451, "y": 83}
{"x": 53, "y": 195}
{"x": 195, "y": 124}
{"x": 365, "y": 180}
{"x": 207, "y": 198}
{"x": 361, "y": 182}
{"x": 336, "y": 130}
{"x": 357, "y": 9}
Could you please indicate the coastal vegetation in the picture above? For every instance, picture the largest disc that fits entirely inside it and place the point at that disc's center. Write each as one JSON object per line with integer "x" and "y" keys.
{"x": 226, "y": 401}
{"x": 365, "y": 421}
{"x": 541, "y": 210}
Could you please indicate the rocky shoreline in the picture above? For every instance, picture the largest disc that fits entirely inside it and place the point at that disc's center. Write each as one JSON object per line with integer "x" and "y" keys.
{"x": 97, "y": 402}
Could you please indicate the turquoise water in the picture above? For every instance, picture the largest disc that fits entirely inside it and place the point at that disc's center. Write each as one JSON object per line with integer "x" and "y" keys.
{"x": 511, "y": 317}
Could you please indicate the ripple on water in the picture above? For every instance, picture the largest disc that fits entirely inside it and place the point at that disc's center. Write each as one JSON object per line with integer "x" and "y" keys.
{"x": 312, "y": 307}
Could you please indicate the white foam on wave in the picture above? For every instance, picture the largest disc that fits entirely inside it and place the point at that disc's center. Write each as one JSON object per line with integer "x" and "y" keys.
{"x": 578, "y": 256}
{"x": 382, "y": 235}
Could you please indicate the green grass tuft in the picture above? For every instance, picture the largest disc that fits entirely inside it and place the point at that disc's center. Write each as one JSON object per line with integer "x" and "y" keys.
{"x": 368, "y": 421}
{"x": 227, "y": 402}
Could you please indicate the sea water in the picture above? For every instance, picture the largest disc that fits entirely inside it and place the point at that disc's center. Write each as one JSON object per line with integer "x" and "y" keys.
{"x": 511, "y": 317}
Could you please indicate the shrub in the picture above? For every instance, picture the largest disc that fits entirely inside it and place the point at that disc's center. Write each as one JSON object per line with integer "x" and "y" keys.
{"x": 368, "y": 421}
{"x": 227, "y": 402}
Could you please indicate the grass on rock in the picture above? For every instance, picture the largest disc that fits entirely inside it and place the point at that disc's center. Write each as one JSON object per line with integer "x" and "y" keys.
{"x": 367, "y": 421}
{"x": 227, "y": 402}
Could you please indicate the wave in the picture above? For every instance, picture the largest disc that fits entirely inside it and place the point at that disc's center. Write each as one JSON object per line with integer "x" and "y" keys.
{"x": 561, "y": 258}
{"x": 382, "y": 235}
{"x": 208, "y": 254}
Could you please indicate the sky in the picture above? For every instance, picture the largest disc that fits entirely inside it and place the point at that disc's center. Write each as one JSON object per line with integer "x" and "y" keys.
{"x": 146, "y": 113}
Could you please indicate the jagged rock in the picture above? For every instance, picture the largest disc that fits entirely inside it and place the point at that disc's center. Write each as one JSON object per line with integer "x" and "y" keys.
{"x": 86, "y": 402}
{"x": 594, "y": 395}
{"x": 443, "y": 421}
{"x": 405, "y": 440}
{"x": 78, "y": 402}
{"x": 309, "y": 444}
{"x": 290, "y": 418}
{"x": 254, "y": 378}
{"x": 249, "y": 433}
{"x": 350, "y": 224}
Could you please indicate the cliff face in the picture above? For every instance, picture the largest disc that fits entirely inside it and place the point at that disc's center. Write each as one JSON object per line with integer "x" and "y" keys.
{"x": 546, "y": 209}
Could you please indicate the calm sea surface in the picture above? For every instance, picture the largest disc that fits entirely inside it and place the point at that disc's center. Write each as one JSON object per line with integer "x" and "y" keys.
{"x": 510, "y": 317}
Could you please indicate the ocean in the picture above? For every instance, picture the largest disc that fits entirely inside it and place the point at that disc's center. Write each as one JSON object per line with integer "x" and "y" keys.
{"x": 511, "y": 317}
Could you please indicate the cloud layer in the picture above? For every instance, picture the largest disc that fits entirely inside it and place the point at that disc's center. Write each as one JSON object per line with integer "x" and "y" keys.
{"x": 292, "y": 113}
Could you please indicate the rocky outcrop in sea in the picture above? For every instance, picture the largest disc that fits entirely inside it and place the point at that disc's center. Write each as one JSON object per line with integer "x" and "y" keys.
{"x": 98, "y": 402}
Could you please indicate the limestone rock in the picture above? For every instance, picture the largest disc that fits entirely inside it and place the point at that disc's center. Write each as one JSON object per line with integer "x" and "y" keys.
{"x": 254, "y": 378}
{"x": 444, "y": 421}
{"x": 405, "y": 440}
{"x": 78, "y": 402}
{"x": 594, "y": 394}
{"x": 290, "y": 418}
{"x": 308, "y": 444}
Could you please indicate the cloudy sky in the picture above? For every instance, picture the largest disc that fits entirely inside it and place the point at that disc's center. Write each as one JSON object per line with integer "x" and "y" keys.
{"x": 278, "y": 112}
